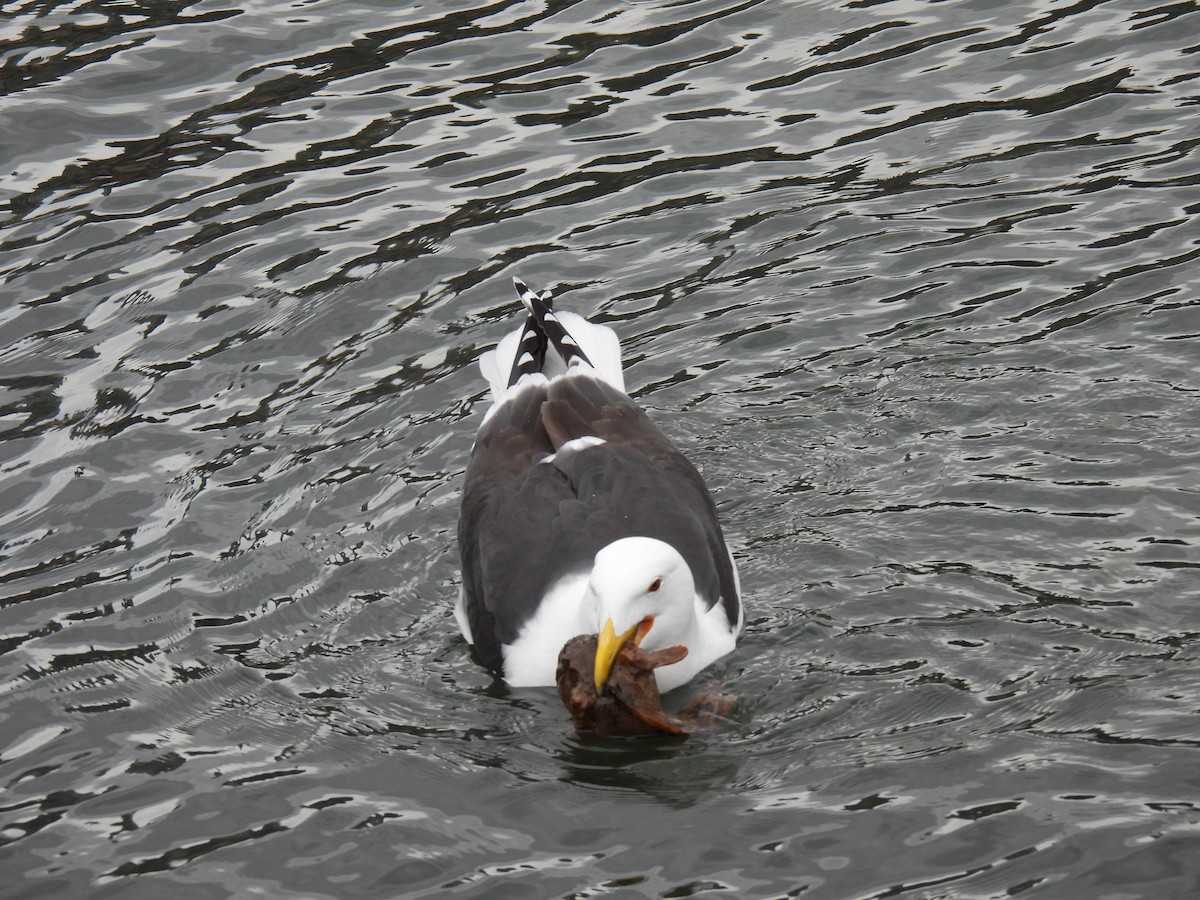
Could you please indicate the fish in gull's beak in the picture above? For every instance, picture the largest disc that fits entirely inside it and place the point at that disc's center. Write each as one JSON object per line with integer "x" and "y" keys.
{"x": 610, "y": 644}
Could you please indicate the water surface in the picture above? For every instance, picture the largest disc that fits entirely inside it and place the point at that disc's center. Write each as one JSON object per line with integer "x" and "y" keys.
{"x": 915, "y": 285}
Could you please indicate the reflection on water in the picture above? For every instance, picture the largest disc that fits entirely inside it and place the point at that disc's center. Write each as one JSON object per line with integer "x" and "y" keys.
{"x": 914, "y": 284}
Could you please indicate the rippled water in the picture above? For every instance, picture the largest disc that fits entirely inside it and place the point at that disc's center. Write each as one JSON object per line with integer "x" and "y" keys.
{"x": 916, "y": 284}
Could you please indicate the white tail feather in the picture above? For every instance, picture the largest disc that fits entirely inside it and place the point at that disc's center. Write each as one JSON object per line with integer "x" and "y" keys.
{"x": 598, "y": 342}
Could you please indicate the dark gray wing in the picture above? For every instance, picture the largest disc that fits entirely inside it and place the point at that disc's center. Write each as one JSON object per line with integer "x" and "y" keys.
{"x": 507, "y": 513}
{"x": 652, "y": 487}
{"x": 526, "y": 523}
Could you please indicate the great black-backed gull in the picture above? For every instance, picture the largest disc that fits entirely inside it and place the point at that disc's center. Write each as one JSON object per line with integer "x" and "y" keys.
{"x": 580, "y": 517}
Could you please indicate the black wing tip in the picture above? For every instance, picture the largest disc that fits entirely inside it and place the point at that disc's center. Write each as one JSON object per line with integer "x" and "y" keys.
{"x": 540, "y": 308}
{"x": 541, "y": 328}
{"x": 528, "y": 295}
{"x": 531, "y": 350}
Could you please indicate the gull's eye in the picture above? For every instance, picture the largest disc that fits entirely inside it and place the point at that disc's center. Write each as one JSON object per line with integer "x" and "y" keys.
{"x": 654, "y": 586}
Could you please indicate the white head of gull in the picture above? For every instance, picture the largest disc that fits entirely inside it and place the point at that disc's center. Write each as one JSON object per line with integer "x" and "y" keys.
{"x": 580, "y": 517}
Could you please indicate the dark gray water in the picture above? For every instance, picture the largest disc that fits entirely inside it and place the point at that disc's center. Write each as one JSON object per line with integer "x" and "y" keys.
{"x": 916, "y": 284}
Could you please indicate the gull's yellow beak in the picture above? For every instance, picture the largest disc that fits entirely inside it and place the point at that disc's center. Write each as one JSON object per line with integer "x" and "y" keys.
{"x": 610, "y": 644}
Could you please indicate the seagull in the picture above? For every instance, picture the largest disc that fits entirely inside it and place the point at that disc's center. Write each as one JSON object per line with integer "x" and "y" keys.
{"x": 579, "y": 516}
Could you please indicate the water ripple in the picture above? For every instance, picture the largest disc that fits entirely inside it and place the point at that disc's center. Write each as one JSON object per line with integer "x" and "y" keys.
{"x": 914, "y": 285}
